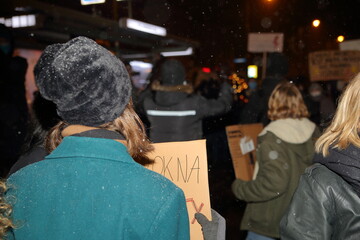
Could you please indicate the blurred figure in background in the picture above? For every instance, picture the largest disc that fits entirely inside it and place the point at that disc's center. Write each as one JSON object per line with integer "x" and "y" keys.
{"x": 303, "y": 83}
{"x": 253, "y": 87}
{"x": 43, "y": 118}
{"x": 285, "y": 149}
{"x": 326, "y": 106}
{"x": 13, "y": 105}
{"x": 255, "y": 111}
{"x": 174, "y": 112}
{"x": 326, "y": 204}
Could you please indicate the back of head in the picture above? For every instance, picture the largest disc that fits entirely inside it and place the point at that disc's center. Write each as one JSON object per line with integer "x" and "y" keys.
{"x": 286, "y": 102}
{"x": 344, "y": 128}
{"x": 89, "y": 85}
{"x": 172, "y": 72}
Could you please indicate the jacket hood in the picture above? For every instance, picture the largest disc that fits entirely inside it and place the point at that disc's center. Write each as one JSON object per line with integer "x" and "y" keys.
{"x": 170, "y": 95}
{"x": 344, "y": 162}
{"x": 297, "y": 131}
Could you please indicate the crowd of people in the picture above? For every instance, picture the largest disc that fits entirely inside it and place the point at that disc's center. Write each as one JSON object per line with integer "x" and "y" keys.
{"x": 75, "y": 171}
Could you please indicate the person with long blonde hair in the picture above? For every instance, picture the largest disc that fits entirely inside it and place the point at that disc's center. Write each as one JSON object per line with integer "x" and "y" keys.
{"x": 285, "y": 149}
{"x": 326, "y": 204}
{"x": 92, "y": 184}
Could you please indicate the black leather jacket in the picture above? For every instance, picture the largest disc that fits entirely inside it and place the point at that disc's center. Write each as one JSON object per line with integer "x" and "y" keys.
{"x": 324, "y": 207}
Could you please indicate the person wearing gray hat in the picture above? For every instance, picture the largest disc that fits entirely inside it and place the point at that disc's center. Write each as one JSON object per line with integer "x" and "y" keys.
{"x": 91, "y": 185}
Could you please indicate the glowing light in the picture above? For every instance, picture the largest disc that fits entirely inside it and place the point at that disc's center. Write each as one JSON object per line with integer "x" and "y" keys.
{"x": 88, "y": 2}
{"x": 186, "y": 52}
{"x": 206, "y": 70}
{"x": 252, "y": 71}
{"x": 142, "y": 26}
{"x": 316, "y": 23}
{"x": 340, "y": 38}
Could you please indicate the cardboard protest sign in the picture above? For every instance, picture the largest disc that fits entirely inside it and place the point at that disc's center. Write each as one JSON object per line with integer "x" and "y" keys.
{"x": 185, "y": 164}
{"x": 242, "y": 141}
{"x": 333, "y": 65}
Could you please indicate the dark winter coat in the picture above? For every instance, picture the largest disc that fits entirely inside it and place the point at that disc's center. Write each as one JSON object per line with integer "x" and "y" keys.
{"x": 326, "y": 204}
{"x": 91, "y": 188}
{"x": 177, "y": 115}
{"x": 285, "y": 149}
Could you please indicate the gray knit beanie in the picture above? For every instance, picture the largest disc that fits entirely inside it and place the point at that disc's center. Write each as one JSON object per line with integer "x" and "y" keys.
{"x": 89, "y": 85}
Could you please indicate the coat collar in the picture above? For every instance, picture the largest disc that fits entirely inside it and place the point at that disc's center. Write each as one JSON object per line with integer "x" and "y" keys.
{"x": 291, "y": 130}
{"x": 89, "y": 147}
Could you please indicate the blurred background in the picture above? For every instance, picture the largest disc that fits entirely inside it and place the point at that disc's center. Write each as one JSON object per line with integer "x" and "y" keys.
{"x": 216, "y": 40}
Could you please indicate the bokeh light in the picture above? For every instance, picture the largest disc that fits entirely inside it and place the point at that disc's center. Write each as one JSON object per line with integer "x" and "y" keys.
{"x": 316, "y": 23}
{"x": 340, "y": 38}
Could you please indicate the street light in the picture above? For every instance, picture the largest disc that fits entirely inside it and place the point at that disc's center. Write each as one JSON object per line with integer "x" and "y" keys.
{"x": 316, "y": 23}
{"x": 340, "y": 38}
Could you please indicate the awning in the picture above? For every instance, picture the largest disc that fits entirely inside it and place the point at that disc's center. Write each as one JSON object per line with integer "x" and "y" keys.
{"x": 59, "y": 24}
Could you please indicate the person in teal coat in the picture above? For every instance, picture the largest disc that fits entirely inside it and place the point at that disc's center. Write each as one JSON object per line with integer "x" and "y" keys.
{"x": 91, "y": 185}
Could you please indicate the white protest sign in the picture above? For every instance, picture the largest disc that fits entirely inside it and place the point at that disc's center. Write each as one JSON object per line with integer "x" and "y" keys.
{"x": 265, "y": 42}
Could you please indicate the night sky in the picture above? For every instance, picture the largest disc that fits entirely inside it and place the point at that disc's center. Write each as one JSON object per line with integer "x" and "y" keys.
{"x": 222, "y": 26}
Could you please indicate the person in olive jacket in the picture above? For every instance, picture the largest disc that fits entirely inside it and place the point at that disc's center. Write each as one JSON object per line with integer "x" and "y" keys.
{"x": 285, "y": 149}
{"x": 326, "y": 204}
{"x": 91, "y": 185}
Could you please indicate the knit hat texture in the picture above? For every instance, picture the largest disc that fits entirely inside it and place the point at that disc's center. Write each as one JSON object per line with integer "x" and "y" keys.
{"x": 172, "y": 72}
{"x": 89, "y": 85}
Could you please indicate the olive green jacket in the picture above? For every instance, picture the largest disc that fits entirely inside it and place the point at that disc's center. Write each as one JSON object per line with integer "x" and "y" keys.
{"x": 285, "y": 149}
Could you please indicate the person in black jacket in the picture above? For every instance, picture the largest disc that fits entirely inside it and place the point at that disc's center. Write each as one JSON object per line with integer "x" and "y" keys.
{"x": 43, "y": 118}
{"x": 326, "y": 204}
{"x": 13, "y": 106}
{"x": 255, "y": 111}
{"x": 175, "y": 113}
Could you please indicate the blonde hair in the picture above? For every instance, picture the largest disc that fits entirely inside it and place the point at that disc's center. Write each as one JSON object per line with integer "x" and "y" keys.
{"x": 286, "y": 102}
{"x": 5, "y": 212}
{"x": 344, "y": 127}
{"x": 128, "y": 124}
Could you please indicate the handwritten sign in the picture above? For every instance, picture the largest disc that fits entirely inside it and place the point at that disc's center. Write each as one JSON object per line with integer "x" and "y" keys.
{"x": 242, "y": 140}
{"x": 185, "y": 164}
{"x": 333, "y": 65}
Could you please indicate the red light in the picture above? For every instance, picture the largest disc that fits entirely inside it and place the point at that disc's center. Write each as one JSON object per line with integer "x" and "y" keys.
{"x": 206, "y": 70}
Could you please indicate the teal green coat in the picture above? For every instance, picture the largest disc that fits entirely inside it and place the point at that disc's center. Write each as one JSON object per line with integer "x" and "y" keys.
{"x": 91, "y": 188}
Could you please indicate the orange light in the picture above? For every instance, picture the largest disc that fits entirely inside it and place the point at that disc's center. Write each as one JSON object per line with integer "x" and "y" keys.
{"x": 340, "y": 38}
{"x": 316, "y": 23}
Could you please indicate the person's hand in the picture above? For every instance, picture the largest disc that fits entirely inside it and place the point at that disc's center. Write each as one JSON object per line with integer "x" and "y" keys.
{"x": 212, "y": 230}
